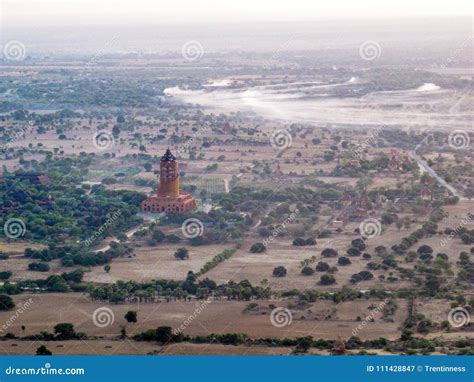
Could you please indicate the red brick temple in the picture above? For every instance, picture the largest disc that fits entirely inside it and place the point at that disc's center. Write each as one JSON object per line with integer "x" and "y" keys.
{"x": 168, "y": 197}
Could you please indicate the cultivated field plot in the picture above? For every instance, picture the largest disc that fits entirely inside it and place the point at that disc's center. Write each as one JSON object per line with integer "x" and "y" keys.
{"x": 217, "y": 349}
{"x": 155, "y": 263}
{"x": 18, "y": 265}
{"x": 322, "y": 319}
{"x": 80, "y": 347}
{"x": 256, "y": 267}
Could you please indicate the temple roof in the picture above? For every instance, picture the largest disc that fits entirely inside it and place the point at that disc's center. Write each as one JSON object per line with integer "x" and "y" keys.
{"x": 168, "y": 157}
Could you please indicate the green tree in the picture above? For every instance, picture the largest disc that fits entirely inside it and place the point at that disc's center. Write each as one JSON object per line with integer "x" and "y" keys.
{"x": 43, "y": 350}
{"x": 131, "y": 316}
{"x": 322, "y": 266}
{"x": 55, "y": 283}
{"x": 163, "y": 334}
{"x": 343, "y": 261}
{"x": 327, "y": 279}
{"x": 39, "y": 267}
{"x": 406, "y": 335}
{"x": 279, "y": 271}
{"x": 158, "y": 235}
{"x": 5, "y": 275}
{"x": 353, "y": 251}
{"x": 299, "y": 242}
{"x": 181, "y": 254}
{"x": 258, "y": 248}
{"x": 304, "y": 344}
{"x": 65, "y": 331}
{"x": 123, "y": 332}
{"x": 359, "y": 244}
{"x": 6, "y": 302}
{"x": 425, "y": 249}
{"x": 329, "y": 252}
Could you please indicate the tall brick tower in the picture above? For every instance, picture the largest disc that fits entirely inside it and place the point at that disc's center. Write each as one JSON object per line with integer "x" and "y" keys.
{"x": 168, "y": 197}
{"x": 169, "y": 177}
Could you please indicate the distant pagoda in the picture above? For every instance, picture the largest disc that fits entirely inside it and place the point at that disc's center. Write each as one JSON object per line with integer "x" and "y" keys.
{"x": 168, "y": 197}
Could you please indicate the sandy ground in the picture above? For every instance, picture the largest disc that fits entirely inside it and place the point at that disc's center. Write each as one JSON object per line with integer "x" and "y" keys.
{"x": 156, "y": 263}
{"x": 80, "y": 347}
{"x": 128, "y": 346}
{"x": 258, "y": 266}
{"x": 321, "y": 319}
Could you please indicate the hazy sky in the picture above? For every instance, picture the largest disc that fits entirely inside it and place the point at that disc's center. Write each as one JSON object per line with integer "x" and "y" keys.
{"x": 84, "y": 12}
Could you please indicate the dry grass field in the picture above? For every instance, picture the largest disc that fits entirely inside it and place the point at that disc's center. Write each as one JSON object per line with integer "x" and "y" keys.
{"x": 80, "y": 347}
{"x": 321, "y": 319}
{"x": 155, "y": 263}
{"x": 258, "y": 266}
